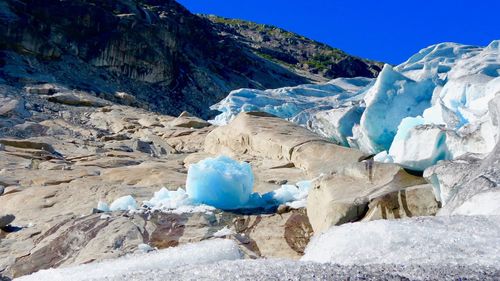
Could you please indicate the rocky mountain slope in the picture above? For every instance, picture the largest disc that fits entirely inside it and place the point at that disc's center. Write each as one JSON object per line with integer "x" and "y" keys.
{"x": 157, "y": 51}
{"x": 306, "y": 56}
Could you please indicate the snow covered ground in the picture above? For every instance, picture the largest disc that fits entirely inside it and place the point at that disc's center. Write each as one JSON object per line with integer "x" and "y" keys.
{"x": 432, "y": 248}
{"x": 442, "y": 240}
{"x": 186, "y": 255}
{"x": 295, "y": 270}
{"x": 432, "y": 107}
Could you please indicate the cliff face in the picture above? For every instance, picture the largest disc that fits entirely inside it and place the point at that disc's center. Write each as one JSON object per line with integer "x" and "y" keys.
{"x": 157, "y": 51}
{"x": 308, "y": 57}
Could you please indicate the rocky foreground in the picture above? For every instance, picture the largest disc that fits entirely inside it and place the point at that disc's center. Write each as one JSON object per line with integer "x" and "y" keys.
{"x": 64, "y": 150}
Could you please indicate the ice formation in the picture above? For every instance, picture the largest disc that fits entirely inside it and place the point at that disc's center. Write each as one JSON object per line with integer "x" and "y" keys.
{"x": 103, "y": 206}
{"x": 392, "y": 97}
{"x": 458, "y": 122}
{"x": 294, "y": 196}
{"x": 125, "y": 203}
{"x": 426, "y": 240}
{"x": 293, "y": 103}
{"x": 432, "y": 107}
{"x": 186, "y": 255}
{"x": 220, "y": 182}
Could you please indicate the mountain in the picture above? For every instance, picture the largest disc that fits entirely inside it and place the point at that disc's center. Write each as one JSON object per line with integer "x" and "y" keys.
{"x": 305, "y": 56}
{"x": 169, "y": 59}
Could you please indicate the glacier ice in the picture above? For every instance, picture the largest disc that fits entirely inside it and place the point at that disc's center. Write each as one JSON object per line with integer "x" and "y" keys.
{"x": 425, "y": 240}
{"x": 293, "y": 196}
{"x": 444, "y": 87}
{"x": 103, "y": 206}
{"x": 392, "y": 97}
{"x": 186, "y": 255}
{"x": 227, "y": 184}
{"x": 125, "y": 203}
{"x": 470, "y": 82}
{"x": 293, "y": 103}
{"x": 179, "y": 202}
{"x": 220, "y": 182}
{"x": 337, "y": 123}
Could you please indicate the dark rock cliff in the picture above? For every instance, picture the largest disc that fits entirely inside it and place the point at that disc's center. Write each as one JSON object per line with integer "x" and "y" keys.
{"x": 155, "y": 50}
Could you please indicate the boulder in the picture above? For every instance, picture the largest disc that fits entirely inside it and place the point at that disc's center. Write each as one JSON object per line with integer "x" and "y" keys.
{"x": 12, "y": 107}
{"x": 125, "y": 98}
{"x": 189, "y": 122}
{"x": 5, "y": 220}
{"x": 344, "y": 196}
{"x": 264, "y": 135}
{"x": 77, "y": 99}
{"x": 413, "y": 201}
{"x": 96, "y": 237}
{"x": 28, "y": 144}
{"x": 43, "y": 89}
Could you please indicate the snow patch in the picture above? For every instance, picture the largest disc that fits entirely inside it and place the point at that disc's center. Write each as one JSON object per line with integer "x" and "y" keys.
{"x": 186, "y": 255}
{"x": 486, "y": 203}
{"x": 427, "y": 240}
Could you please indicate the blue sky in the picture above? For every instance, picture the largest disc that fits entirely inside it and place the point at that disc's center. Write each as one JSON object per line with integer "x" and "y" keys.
{"x": 386, "y": 30}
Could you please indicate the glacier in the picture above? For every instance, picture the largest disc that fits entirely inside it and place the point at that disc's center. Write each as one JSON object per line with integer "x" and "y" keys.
{"x": 432, "y": 107}
{"x": 289, "y": 102}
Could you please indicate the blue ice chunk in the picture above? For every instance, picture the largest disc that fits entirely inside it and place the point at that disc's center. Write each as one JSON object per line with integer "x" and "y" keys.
{"x": 220, "y": 182}
{"x": 103, "y": 206}
{"x": 125, "y": 203}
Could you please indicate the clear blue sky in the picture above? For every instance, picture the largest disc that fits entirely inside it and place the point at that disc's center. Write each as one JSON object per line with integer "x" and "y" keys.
{"x": 386, "y": 30}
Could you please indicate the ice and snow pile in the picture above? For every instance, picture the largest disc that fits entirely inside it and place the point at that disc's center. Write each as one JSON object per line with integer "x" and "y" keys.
{"x": 463, "y": 240}
{"x": 432, "y": 107}
{"x": 209, "y": 251}
{"x": 221, "y": 183}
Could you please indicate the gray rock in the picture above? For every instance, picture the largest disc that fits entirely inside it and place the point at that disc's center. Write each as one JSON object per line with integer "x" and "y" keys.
{"x": 44, "y": 89}
{"x": 408, "y": 202}
{"x": 142, "y": 146}
{"x": 344, "y": 196}
{"x": 5, "y": 220}
{"x": 77, "y": 99}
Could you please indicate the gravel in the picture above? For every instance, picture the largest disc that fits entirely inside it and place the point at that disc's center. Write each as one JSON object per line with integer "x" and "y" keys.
{"x": 294, "y": 270}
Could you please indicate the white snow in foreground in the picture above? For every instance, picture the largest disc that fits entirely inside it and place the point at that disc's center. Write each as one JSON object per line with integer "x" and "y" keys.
{"x": 209, "y": 251}
{"x": 486, "y": 203}
{"x": 212, "y": 183}
{"x": 426, "y": 240}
